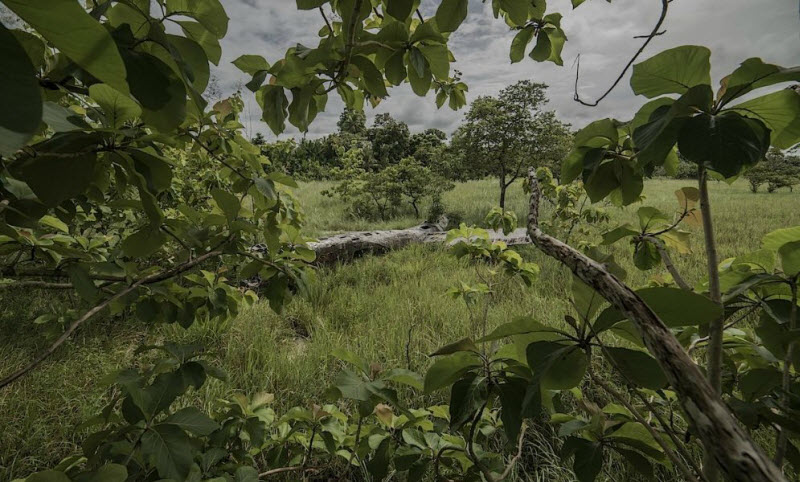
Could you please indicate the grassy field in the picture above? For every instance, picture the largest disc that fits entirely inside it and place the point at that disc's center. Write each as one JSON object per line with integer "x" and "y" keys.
{"x": 391, "y": 310}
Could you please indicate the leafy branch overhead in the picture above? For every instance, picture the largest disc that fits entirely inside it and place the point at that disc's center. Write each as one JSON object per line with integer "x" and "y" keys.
{"x": 713, "y": 132}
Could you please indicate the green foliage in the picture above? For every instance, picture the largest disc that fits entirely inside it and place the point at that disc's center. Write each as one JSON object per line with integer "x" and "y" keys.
{"x": 503, "y": 136}
{"x": 777, "y": 171}
{"x": 613, "y": 157}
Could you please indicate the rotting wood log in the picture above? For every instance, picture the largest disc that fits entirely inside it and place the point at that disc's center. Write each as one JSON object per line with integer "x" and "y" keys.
{"x": 348, "y": 246}
{"x": 737, "y": 455}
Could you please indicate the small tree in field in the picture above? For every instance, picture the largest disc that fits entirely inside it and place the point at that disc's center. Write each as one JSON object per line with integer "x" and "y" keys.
{"x": 777, "y": 170}
{"x": 502, "y": 136}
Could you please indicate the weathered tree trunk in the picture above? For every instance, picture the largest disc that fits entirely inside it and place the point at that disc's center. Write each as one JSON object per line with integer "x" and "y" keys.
{"x": 503, "y": 188}
{"x": 344, "y": 247}
{"x": 738, "y": 457}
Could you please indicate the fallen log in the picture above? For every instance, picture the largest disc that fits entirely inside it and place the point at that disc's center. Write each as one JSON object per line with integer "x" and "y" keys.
{"x": 348, "y": 246}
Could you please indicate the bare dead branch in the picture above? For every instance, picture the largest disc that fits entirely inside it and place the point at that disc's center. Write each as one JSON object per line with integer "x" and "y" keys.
{"x": 654, "y": 33}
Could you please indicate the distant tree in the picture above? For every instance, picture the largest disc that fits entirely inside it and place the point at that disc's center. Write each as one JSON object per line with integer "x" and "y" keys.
{"x": 352, "y": 121}
{"x": 777, "y": 170}
{"x": 501, "y": 136}
{"x": 417, "y": 182}
{"x": 390, "y": 140}
{"x": 427, "y": 147}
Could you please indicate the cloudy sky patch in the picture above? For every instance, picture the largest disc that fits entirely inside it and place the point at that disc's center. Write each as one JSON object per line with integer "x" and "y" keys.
{"x": 600, "y": 32}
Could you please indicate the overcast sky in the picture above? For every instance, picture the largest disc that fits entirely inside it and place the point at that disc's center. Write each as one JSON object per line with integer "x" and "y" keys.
{"x": 601, "y": 32}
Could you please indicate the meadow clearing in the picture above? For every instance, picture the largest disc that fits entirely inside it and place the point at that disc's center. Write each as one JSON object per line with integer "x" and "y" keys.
{"x": 391, "y": 309}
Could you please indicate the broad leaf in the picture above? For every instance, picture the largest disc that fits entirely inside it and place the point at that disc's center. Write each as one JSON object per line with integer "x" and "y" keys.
{"x": 780, "y": 112}
{"x": 724, "y": 143}
{"x": 672, "y": 71}
{"x": 638, "y": 367}
{"x": 450, "y": 14}
{"x": 752, "y": 74}
{"x": 675, "y": 307}
{"x": 116, "y": 107}
{"x": 22, "y": 102}
{"x": 169, "y": 449}
{"x": 80, "y": 37}
{"x": 193, "y": 420}
{"x": 449, "y": 369}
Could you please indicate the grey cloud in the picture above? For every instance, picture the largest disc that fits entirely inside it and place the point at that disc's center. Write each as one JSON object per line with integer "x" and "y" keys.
{"x": 601, "y": 32}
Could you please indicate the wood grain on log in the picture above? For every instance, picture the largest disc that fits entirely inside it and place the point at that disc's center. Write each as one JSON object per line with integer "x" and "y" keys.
{"x": 347, "y": 246}
{"x": 722, "y": 435}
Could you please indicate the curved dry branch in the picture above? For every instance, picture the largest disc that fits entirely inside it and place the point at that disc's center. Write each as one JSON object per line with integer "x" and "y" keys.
{"x": 153, "y": 278}
{"x": 654, "y": 33}
{"x": 720, "y": 432}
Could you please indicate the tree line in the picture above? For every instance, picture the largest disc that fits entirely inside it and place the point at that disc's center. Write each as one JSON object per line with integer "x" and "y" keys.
{"x": 383, "y": 167}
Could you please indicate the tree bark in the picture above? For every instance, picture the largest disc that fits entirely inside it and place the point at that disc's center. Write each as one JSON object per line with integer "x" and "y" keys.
{"x": 347, "y": 246}
{"x": 739, "y": 458}
{"x": 503, "y": 188}
{"x": 714, "y": 354}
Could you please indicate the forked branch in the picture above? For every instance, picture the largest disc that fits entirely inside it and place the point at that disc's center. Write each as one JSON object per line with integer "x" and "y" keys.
{"x": 654, "y": 33}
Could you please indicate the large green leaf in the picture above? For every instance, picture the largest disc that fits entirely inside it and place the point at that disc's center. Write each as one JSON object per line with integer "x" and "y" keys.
{"x": 109, "y": 473}
{"x": 725, "y": 143}
{"x": 19, "y": 94}
{"x": 638, "y": 367}
{"x": 192, "y": 60}
{"x": 656, "y": 135}
{"x": 449, "y": 369}
{"x": 208, "y": 12}
{"x": 117, "y": 107}
{"x": 672, "y": 71}
{"x": 775, "y": 239}
{"x": 789, "y": 254}
{"x": 752, "y": 74}
{"x": 158, "y": 89}
{"x": 559, "y": 366}
{"x": 204, "y": 38}
{"x": 143, "y": 243}
{"x": 520, "y": 43}
{"x": 251, "y": 64}
{"x": 193, "y": 420}
{"x": 55, "y": 179}
{"x": 600, "y": 133}
{"x": 67, "y": 26}
{"x": 169, "y": 449}
{"x": 373, "y": 78}
{"x": 400, "y": 9}
{"x": 675, "y": 307}
{"x": 48, "y": 476}
{"x": 780, "y": 112}
{"x": 274, "y": 103}
{"x": 517, "y": 10}
{"x": 519, "y": 326}
{"x": 637, "y": 436}
{"x": 450, "y": 14}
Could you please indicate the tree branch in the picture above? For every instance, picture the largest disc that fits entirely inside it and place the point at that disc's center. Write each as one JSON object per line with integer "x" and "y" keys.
{"x": 654, "y": 33}
{"x": 719, "y": 430}
{"x": 154, "y": 278}
{"x": 665, "y": 257}
{"x": 639, "y": 418}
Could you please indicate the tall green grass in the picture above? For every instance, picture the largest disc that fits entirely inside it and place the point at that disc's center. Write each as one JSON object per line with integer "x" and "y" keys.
{"x": 392, "y": 310}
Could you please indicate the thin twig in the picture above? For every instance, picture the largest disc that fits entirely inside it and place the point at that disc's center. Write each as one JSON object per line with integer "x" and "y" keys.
{"x": 648, "y": 38}
{"x": 324, "y": 17}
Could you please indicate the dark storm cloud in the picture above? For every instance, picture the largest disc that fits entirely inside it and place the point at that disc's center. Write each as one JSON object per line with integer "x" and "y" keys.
{"x": 602, "y": 33}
